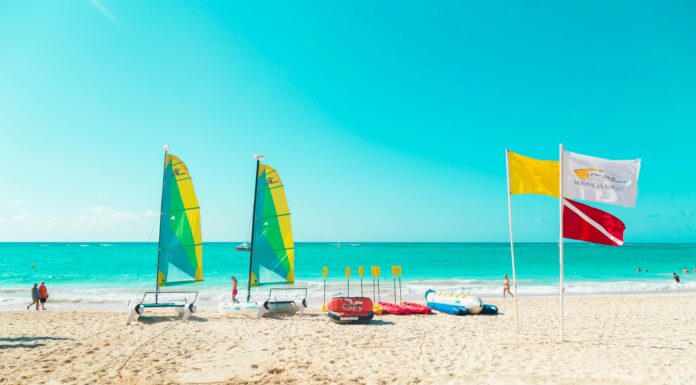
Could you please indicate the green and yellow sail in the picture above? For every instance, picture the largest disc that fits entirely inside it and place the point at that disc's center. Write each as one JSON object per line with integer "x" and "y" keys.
{"x": 273, "y": 252}
{"x": 181, "y": 245}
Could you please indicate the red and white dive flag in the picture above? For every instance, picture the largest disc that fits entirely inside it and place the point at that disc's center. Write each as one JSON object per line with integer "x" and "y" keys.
{"x": 585, "y": 223}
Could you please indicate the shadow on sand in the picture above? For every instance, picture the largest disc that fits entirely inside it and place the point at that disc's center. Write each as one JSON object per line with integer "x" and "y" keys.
{"x": 157, "y": 319}
{"x": 25, "y": 346}
{"x": 27, "y": 339}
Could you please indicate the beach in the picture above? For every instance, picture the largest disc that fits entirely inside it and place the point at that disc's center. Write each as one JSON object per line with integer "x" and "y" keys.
{"x": 615, "y": 339}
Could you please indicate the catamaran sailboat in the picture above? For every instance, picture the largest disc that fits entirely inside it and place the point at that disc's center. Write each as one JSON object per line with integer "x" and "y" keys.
{"x": 271, "y": 250}
{"x": 180, "y": 251}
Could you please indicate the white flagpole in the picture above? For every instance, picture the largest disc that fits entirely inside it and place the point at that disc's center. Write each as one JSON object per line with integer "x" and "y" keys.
{"x": 512, "y": 244}
{"x": 560, "y": 240}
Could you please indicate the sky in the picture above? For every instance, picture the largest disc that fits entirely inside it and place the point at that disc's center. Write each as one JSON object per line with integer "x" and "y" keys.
{"x": 386, "y": 121}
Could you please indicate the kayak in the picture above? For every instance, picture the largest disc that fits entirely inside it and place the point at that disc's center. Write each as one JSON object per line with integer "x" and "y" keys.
{"x": 350, "y": 309}
{"x": 416, "y": 308}
{"x": 392, "y": 308}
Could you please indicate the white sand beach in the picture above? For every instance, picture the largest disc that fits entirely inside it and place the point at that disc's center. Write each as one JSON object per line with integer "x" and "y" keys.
{"x": 636, "y": 339}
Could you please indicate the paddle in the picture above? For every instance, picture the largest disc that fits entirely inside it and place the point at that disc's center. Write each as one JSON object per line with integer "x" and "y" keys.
{"x": 348, "y": 279}
{"x": 360, "y": 273}
{"x": 324, "y": 272}
{"x": 374, "y": 274}
{"x": 378, "y": 273}
{"x": 394, "y": 279}
{"x": 398, "y": 272}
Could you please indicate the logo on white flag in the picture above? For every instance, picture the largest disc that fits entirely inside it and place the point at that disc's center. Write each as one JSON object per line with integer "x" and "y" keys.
{"x": 600, "y": 180}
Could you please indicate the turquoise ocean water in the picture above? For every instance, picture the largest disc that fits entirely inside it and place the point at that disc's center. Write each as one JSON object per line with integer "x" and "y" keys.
{"x": 109, "y": 274}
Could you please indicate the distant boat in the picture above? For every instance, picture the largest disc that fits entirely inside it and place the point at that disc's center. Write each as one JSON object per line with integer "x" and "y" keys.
{"x": 272, "y": 249}
{"x": 180, "y": 251}
{"x": 243, "y": 247}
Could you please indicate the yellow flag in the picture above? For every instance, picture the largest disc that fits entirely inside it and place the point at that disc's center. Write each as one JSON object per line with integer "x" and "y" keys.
{"x": 533, "y": 176}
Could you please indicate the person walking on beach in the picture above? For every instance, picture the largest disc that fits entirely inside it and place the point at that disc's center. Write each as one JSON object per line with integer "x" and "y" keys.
{"x": 43, "y": 295}
{"x": 676, "y": 277}
{"x": 34, "y": 297}
{"x": 506, "y": 286}
{"x": 234, "y": 290}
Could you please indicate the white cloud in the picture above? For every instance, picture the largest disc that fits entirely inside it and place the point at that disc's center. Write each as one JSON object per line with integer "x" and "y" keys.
{"x": 18, "y": 202}
{"x": 105, "y": 216}
{"x": 27, "y": 221}
{"x": 103, "y": 10}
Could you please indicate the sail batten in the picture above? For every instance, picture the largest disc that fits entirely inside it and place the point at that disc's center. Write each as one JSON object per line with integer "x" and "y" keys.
{"x": 273, "y": 254}
{"x": 181, "y": 251}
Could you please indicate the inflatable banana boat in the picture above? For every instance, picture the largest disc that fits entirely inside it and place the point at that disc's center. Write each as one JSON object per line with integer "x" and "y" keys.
{"x": 458, "y": 304}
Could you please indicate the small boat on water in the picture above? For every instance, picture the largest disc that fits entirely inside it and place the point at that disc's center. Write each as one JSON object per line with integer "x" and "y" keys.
{"x": 243, "y": 247}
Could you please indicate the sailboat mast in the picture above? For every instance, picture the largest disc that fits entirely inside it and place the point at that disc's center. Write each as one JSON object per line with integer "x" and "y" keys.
{"x": 159, "y": 238}
{"x": 253, "y": 221}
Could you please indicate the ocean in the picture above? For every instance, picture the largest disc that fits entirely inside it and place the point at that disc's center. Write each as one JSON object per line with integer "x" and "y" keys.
{"x": 100, "y": 275}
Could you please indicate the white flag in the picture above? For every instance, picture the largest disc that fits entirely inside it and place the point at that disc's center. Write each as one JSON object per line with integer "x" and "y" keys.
{"x": 600, "y": 180}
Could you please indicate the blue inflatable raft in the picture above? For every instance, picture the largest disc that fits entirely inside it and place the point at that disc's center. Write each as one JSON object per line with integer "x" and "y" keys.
{"x": 458, "y": 304}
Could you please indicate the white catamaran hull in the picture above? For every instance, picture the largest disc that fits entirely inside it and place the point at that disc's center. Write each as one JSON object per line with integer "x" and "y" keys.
{"x": 258, "y": 310}
{"x": 247, "y": 309}
{"x": 183, "y": 310}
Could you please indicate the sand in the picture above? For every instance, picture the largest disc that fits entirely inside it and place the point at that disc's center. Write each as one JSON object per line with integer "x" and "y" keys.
{"x": 639, "y": 339}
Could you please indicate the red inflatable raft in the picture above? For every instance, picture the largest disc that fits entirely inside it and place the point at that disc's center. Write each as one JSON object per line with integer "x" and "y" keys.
{"x": 392, "y": 308}
{"x": 416, "y": 308}
{"x": 350, "y": 309}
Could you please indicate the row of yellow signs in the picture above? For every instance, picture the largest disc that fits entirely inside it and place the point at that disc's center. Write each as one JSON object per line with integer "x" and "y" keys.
{"x": 396, "y": 271}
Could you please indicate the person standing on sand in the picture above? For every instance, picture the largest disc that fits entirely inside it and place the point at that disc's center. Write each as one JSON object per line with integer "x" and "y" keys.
{"x": 234, "y": 290}
{"x": 43, "y": 295}
{"x": 506, "y": 286}
{"x": 34, "y": 297}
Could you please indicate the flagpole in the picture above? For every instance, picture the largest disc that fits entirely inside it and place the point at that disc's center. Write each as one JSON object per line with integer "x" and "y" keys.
{"x": 560, "y": 240}
{"x": 512, "y": 244}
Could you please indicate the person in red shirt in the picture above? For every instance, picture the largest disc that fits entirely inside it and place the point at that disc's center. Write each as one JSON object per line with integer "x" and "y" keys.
{"x": 43, "y": 295}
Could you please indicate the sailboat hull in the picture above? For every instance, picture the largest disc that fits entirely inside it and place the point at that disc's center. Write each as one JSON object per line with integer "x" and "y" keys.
{"x": 246, "y": 309}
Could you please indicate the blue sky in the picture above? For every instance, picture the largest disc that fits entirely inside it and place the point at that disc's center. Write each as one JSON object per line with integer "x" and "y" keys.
{"x": 387, "y": 122}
